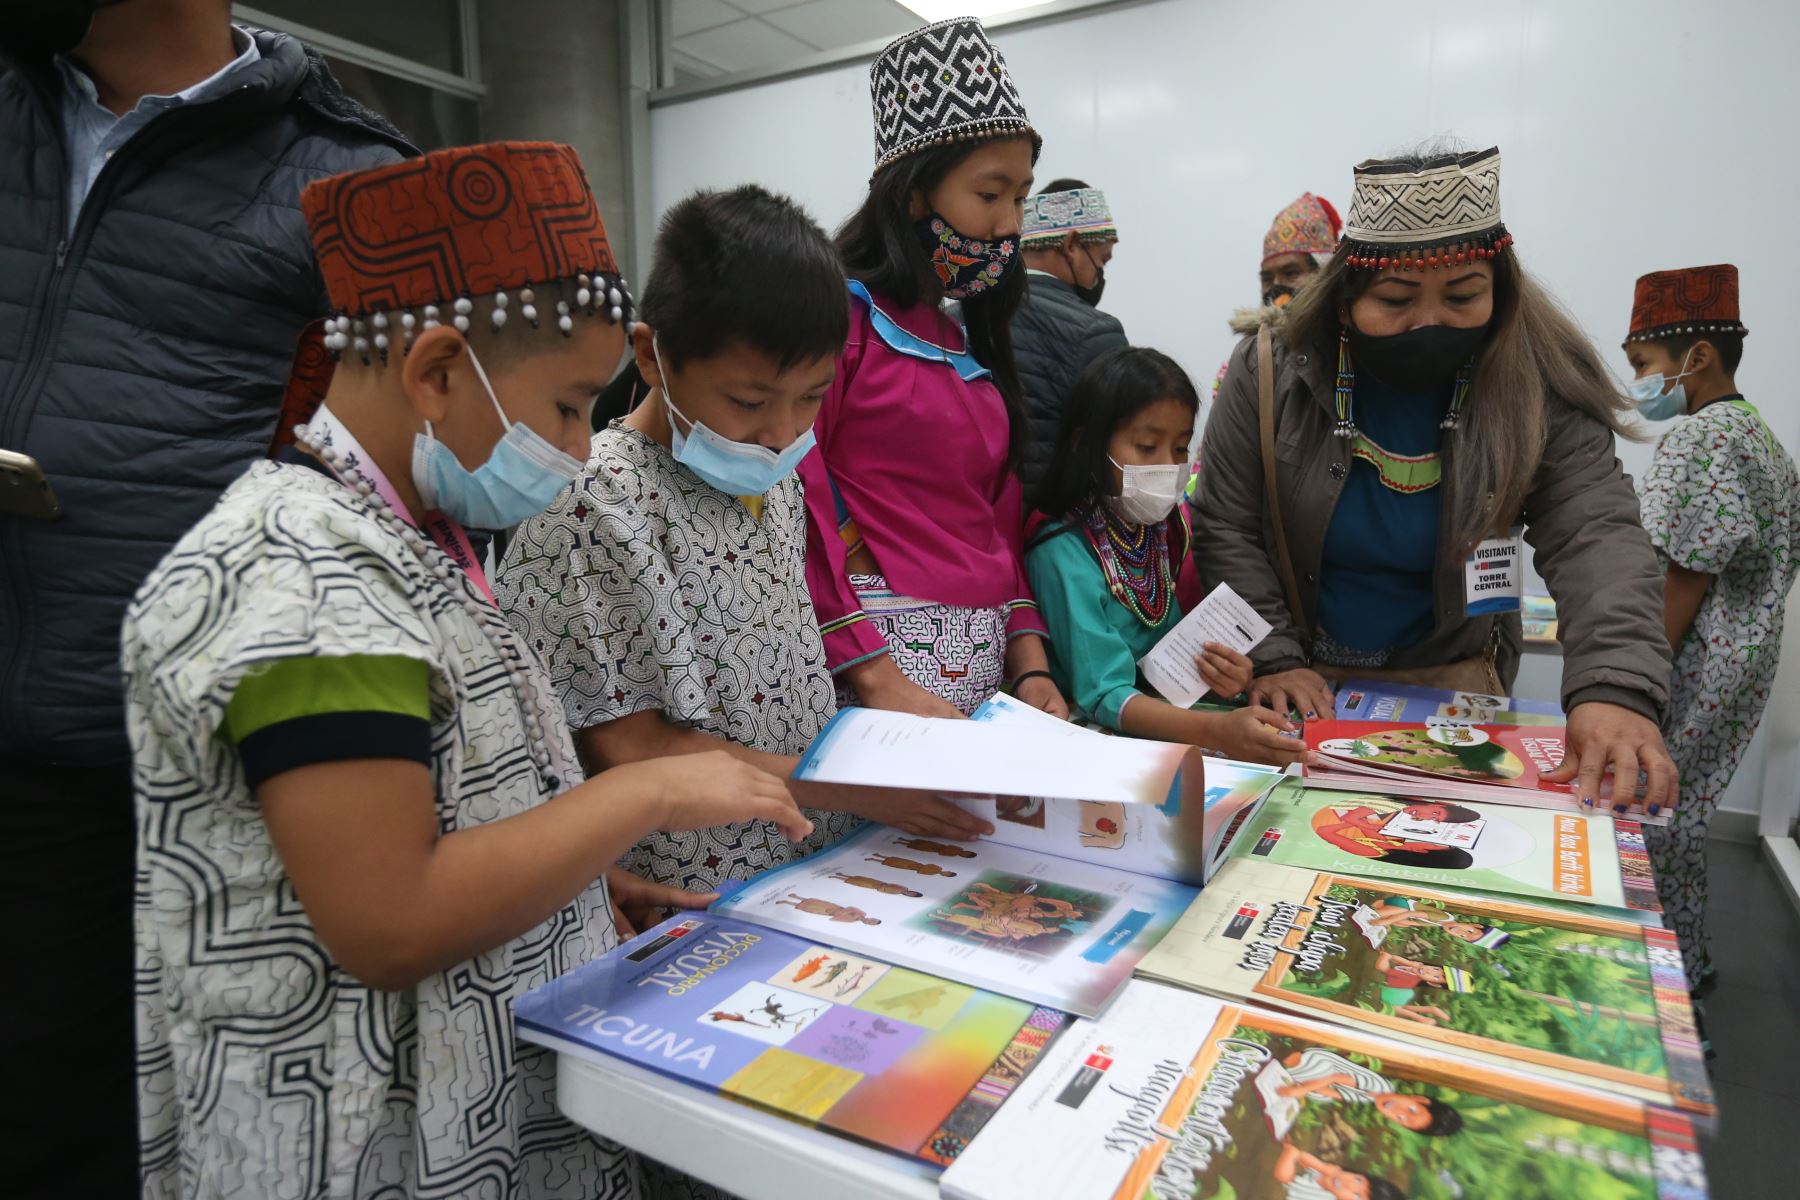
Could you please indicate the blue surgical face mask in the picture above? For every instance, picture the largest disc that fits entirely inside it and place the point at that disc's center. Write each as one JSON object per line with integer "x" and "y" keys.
{"x": 735, "y": 468}
{"x": 1656, "y": 404}
{"x": 518, "y": 481}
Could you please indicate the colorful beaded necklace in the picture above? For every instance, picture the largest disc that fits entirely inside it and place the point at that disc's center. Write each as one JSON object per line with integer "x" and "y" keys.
{"x": 1135, "y": 561}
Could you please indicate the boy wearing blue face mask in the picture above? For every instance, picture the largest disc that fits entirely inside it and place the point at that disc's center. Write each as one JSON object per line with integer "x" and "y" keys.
{"x": 363, "y": 825}
{"x": 1722, "y": 505}
{"x": 667, "y": 589}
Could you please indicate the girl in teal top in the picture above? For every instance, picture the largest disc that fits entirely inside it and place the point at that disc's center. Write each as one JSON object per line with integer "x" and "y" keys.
{"x": 1103, "y": 551}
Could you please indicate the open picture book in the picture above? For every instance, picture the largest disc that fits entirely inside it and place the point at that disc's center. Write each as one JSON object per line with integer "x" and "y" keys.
{"x": 907, "y": 1062}
{"x": 1575, "y": 997}
{"x": 1176, "y": 1096}
{"x": 1575, "y": 856}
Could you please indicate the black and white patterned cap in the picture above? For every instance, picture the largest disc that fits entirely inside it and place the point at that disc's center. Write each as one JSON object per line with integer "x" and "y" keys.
{"x": 944, "y": 83}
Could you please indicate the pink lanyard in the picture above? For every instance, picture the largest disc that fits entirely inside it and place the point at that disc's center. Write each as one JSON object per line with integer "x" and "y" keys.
{"x": 445, "y": 533}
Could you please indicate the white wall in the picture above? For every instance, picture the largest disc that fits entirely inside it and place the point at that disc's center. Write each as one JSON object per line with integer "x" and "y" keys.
{"x": 1636, "y": 135}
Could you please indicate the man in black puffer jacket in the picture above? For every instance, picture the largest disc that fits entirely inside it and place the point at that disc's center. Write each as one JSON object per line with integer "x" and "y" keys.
{"x": 154, "y": 275}
{"x": 1067, "y": 241}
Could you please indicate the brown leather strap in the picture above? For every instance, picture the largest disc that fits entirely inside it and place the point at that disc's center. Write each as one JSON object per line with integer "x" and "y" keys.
{"x": 1265, "y": 400}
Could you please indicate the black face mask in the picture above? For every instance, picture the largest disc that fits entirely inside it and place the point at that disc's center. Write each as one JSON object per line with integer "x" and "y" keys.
{"x": 1419, "y": 360}
{"x": 1276, "y": 295}
{"x": 1090, "y": 295}
{"x": 32, "y": 32}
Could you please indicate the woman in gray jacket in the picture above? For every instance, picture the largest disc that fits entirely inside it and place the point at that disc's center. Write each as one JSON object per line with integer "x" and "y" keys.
{"x": 1427, "y": 401}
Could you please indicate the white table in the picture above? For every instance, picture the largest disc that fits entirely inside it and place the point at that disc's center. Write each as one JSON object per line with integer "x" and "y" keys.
{"x": 751, "y": 1153}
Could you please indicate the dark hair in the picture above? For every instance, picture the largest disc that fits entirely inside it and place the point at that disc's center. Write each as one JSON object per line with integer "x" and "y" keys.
{"x": 1381, "y": 1189}
{"x": 746, "y": 266}
{"x": 1444, "y": 1119}
{"x": 1448, "y": 859}
{"x": 1112, "y": 389}
{"x": 881, "y": 250}
{"x": 1456, "y": 814}
{"x": 1063, "y": 185}
{"x": 1728, "y": 346}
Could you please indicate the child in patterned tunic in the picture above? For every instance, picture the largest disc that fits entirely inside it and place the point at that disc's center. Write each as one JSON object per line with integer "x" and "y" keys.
{"x": 364, "y": 829}
{"x": 667, "y": 589}
{"x": 1722, "y": 505}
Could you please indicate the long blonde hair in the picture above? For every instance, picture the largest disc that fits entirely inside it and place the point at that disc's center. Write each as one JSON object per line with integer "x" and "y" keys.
{"x": 1534, "y": 355}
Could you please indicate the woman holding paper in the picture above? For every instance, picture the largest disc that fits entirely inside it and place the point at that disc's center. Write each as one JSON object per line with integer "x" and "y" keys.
{"x": 1103, "y": 551}
{"x": 1378, "y": 448}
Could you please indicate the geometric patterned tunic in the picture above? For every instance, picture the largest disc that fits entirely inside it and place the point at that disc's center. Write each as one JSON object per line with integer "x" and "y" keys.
{"x": 265, "y": 1069}
{"x": 1721, "y": 497}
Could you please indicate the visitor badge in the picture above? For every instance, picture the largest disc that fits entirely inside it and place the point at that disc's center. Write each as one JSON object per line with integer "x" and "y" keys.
{"x": 1494, "y": 575}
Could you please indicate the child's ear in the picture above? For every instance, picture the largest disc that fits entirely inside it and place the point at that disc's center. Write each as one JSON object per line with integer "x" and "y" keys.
{"x": 643, "y": 353}
{"x": 426, "y": 368}
{"x": 1702, "y": 357}
{"x": 917, "y": 208}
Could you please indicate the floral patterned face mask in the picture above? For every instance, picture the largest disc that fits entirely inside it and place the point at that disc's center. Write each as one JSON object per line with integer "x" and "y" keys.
{"x": 966, "y": 267}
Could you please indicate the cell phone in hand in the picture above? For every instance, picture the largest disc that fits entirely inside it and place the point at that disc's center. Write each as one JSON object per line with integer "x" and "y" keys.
{"x": 24, "y": 492}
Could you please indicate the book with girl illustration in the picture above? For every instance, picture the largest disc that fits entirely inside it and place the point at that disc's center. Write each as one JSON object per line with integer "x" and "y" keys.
{"x": 908, "y": 1062}
{"x": 1504, "y": 764}
{"x": 1578, "y": 856}
{"x": 1364, "y": 700}
{"x": 1175, "y": 1095}
{"x": 1573, "y": 996}
{"x": 1048, "y": 930}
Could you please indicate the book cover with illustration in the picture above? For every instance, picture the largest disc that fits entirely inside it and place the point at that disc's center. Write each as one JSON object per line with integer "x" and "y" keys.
{"x": 1500, "y": 763}
{"x": 891, "y": 1057}
{"x": 1576, "y": 855}
{"x": 1174, "y": 1096}
{"x": 1367, "y": 700}
{"x": 1053, "y": 931}
{"x": 1573, "y": 996}
{"x": 1152, "y": 839}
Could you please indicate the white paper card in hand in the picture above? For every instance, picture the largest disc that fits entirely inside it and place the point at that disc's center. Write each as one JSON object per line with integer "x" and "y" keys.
{"x": 1222, "y": 617}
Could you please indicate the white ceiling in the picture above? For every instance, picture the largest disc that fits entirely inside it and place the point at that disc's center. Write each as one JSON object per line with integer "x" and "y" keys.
{"x": 721, "y": 37}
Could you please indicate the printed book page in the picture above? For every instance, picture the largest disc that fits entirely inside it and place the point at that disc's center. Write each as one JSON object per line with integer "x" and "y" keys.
{"x": 1043, "y": 929}
{"x": 1149, "y": 839}
{"x": 1222, "y": 617}
{"x": 1573, "y": 996}
{"x": 1576, "y": 855}
{"x": 1175, "y": 1097}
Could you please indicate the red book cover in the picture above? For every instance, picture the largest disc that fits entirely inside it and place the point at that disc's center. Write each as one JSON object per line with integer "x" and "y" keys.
{"x": 1514, "y": 757}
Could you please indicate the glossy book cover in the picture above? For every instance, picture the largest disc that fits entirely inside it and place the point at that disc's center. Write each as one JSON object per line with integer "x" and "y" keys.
{"x": 891, "y": 1057}
{"x": 1176, "y": 1096}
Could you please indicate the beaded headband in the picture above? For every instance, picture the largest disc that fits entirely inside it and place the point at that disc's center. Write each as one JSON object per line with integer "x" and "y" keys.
{"x": 434, "y": 233}
{"x": 1440, "y": 216}
{"x": 1689, "y": 300}
{"x": 944, "y": 83}
{"x": 1050, "y": 216}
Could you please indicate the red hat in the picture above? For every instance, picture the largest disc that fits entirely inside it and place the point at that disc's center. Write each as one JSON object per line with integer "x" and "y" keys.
{"x": 1689, "y": 300}
{"x": 1310, "y": 225}
{"x": 457, "y": 224}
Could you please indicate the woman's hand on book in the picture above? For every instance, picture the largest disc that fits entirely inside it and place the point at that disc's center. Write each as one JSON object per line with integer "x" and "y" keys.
{"x": 1601, "y": 736}
{"x": 925, "y": 814}
{"x": 1300, "y": 690}
{"x": 696, "y": 791}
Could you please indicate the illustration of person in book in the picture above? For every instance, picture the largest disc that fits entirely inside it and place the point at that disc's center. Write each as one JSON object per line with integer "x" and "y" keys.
{"x": 1481, "y": 760}
{"x": 1305, "y": 1177}
{"x": 1404, "y": 912}
{"x": 1324, "y": 1077}
{"x": 883, "y": 886}
{"x": 841, "y": 913}
{"x": 907, "y": 864}
{"x": 1403, "y": 979}
{"x": 1360, "y": 830}
{"x": 943, "y": 849}
{"x": 1103, "y": 824}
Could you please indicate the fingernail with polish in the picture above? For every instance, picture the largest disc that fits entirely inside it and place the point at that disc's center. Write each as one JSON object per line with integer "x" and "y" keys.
{"x": 1618, "y": 808}
{"x": 1655, "y": 808}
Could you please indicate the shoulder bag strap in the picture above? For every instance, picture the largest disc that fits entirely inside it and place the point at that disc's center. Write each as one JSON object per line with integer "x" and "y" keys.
{"x": 1265, "y": 399}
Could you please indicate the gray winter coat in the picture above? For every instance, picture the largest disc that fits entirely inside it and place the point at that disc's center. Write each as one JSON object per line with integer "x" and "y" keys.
{"x": 1581, "y": 520}
{"x": 1055, "y": 335}
{"x": 143, "y": 353}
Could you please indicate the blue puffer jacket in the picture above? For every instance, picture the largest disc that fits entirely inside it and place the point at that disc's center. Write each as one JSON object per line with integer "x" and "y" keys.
{"x": 143, "y": 353}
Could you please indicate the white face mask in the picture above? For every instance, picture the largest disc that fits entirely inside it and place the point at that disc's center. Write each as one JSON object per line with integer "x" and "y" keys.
{"x": 1147, "y": 494}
